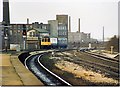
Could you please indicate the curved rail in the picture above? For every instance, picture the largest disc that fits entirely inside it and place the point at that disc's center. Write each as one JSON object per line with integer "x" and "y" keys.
{"x": 52, "y": 72}
{"x": 49, "y": 78}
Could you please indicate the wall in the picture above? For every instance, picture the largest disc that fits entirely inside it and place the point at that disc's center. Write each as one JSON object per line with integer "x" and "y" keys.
{"x": 79, "y": 37}
{"x": 1, "y": 36}
{"x": 53, "y": 28}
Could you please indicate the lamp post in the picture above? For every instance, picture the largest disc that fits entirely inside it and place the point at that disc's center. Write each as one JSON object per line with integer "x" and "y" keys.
{"x": 24, "y": 42}
{"x": 103, "y": 38}
{"x": 39, "y": 41}
{"x": 24, "y": 36}
{"x": 82, "y": 43}
{"x": 6, "y": 38}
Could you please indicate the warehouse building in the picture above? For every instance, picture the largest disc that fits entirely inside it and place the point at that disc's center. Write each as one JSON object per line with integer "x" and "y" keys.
{"x": 62, "y": 30}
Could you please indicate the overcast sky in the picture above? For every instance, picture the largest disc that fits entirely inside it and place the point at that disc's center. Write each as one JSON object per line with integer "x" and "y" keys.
{"x": 94, "y": 14}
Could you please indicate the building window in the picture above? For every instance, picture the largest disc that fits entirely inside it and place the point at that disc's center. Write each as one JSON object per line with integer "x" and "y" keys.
{"x": 64, "y": 33}
{"x": 65, "y": 28}
{"x": 44, "y": 27}
{"x": 30, "y": 34}
{"x": 18, "y": 31}
{"x": 10, "y": 32}
{"x": 59, "y": 33}
{"x": 34, "y": 34}
{"x": 59, "y": 28}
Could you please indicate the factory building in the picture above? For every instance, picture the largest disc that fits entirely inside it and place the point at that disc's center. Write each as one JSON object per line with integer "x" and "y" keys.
{"x": 78, "y": 37}
{"x": 57, "y": 30}
{"x": 16, "y": 34}
{"x": 53, "y": 28}
{"x": 16, "y": 37}
{"x": 62, "y": 30}
{"x": 41, "y": 26}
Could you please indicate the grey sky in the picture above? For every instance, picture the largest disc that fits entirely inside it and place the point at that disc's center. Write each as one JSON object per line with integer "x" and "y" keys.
{"x": 94, "y": 14}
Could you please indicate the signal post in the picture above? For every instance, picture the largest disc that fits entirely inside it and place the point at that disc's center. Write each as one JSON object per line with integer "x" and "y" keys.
{"x": 24, "y": 33}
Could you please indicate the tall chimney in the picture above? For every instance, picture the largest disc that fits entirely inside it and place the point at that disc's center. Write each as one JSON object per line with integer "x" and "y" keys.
{"x": 27, "y": 20}
{"x": 6, "y": 22}
{"x": 103, "y": 35}
{"x": 69, "y": 24}
{"x": 79, "y": 25}
{"x": 6, "y": 14}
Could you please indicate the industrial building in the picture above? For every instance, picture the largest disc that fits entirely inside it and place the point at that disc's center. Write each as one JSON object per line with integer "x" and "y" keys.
{"x": 79, "y": 38}
{"x": 57, "y": 30}
{"x": 62, "y": 30}
{"x": 53, "y": 28}
{"x": 16, "y": 34}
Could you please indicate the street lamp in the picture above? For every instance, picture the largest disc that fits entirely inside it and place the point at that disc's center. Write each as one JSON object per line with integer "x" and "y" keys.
{"x": 39, "y": 40}
{"x": 24, "y": 33}
{"x": 82, "y": 43}
{"x": 24, "y": 42}
{"x": 6, "y": 39}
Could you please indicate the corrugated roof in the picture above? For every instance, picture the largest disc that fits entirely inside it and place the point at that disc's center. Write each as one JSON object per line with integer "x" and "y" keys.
{"x": 39, "y": 30}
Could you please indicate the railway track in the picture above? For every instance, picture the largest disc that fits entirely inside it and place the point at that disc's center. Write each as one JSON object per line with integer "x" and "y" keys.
{"x": 46, "y": 76}
{"x": 103, "y": 57}
{"x": 110, "y": 67}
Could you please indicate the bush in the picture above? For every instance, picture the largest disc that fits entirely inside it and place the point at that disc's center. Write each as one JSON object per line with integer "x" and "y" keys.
{"x": 114, "y": 41}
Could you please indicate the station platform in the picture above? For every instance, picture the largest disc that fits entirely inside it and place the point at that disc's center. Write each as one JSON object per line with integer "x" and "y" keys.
{"x": 13, "y": 72}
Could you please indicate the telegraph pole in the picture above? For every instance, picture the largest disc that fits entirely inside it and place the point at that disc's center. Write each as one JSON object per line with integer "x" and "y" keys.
{"x": 24, "y": 33}
{"x": 103, "y": 36}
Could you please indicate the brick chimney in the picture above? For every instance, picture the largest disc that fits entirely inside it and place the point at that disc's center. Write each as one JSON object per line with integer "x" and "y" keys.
{"x": 79, "y": 25}
{"x": 69, "y": 24}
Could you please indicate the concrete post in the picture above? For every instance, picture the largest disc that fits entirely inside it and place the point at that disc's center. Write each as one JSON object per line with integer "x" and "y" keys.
{"x": 90, "y": 46}
{"x": 111, "y": 49}
{"x": 24, "y": 42}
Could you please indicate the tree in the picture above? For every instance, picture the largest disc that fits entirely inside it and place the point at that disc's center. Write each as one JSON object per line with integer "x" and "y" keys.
{"x": 114, "y": 41}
